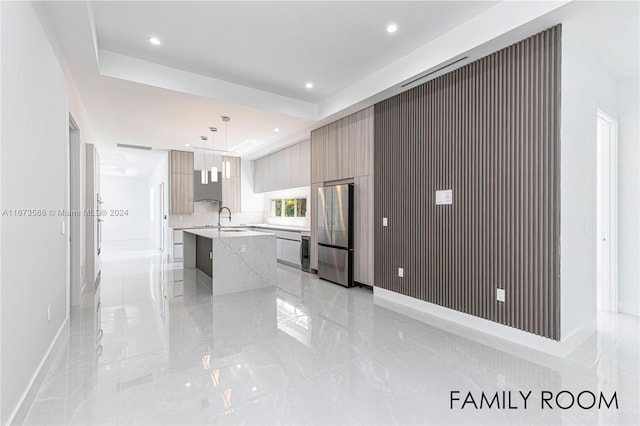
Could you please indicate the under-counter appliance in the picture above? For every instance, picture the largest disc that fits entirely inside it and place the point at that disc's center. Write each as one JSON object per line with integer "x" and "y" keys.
{"x": 335, "y": 234}
{"x": 305, "y": 254}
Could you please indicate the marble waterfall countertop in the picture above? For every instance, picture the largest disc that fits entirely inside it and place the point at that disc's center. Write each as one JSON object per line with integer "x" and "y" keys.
{"x": 251, "y": 225}
{"x": 224, "y": 233}
{"x": 279, "y": 227}
{"x": 235, "y": 259}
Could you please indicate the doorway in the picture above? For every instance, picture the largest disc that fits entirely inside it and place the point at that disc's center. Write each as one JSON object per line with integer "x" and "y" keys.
{"x": 75, "y": 273}
{"x": 162, "y": 215}
{"x": 607, "y": 212}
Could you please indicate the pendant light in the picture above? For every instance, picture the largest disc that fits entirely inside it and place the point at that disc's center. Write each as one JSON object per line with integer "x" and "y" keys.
{"x": 214, "y": 169}
{"x": 226, "y": 165}
{"x": 204, "y": 177}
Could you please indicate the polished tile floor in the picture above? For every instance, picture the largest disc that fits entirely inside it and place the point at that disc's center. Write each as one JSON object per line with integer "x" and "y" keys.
{"x": 308, "y": 352}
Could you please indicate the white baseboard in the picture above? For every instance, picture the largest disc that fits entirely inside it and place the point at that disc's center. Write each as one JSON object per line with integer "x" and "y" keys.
{"x": 480, "y": 329}
{"x": 629, "y": 308}
{"x": 44, "y": 360}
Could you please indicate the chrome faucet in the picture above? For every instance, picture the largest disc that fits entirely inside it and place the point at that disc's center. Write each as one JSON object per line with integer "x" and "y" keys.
{"x": 220, "y": 211}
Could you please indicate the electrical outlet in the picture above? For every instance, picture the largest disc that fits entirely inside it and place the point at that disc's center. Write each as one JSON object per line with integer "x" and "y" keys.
{"x": 243, "y": 248}
{"x": 500, "y": 294}
{"x": 401, "y": 272}
{"x": 49, "y": 312}
{"x": 385, "y": 222}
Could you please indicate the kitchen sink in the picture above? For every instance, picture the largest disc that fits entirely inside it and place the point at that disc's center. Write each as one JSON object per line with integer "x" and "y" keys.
{"x": 233, "y": 230}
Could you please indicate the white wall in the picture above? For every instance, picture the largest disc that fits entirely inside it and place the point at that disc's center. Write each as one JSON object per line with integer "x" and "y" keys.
{"x": 249, "y": 202}
{"x": 628, "y": 94}
{"x": 132, "y": 195}
{"x": 2, "y": 415}
{"x": 77, "y": 110}
{"x": 159, "y": 175}
{"x": 34, "y": 137}
{"x": 586, "y": 86}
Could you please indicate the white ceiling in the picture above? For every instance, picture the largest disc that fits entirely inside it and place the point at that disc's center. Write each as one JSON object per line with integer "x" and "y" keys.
{"x": 277, "y": 46}
{"x": 250, "y": 60}
{"x": 139, "y": 114}
{"x": 128, "y": 162}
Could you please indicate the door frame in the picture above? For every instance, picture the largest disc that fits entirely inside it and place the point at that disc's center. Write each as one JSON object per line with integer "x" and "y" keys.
{"x": 607, "y": 178}
{"x": 75, "y": 288}
{"x": 163, "y": 214}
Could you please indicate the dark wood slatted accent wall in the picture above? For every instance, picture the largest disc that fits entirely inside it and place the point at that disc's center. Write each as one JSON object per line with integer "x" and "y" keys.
{"x": 490, "y": 132}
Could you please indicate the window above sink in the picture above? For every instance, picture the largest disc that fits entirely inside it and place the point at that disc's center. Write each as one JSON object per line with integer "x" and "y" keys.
{"x": 289, "y": 207}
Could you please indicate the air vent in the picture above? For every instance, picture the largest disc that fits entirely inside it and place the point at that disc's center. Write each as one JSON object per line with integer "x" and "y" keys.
{"x": 434, "y": 71}
{"x": 124, "y": 145}
{"x": 197, "y": 148}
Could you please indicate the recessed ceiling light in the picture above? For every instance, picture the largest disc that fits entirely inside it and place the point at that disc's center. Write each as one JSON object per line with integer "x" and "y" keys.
{"x": 187, "y": 144}
{"x": 309, "y": 85}
{"x": 392, "y": 28}
{"x": 276, "y": 130}
{"x": 154, "y": 41}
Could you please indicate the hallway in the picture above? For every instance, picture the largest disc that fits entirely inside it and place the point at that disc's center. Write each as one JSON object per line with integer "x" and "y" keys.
{"x": 309, "y": 352}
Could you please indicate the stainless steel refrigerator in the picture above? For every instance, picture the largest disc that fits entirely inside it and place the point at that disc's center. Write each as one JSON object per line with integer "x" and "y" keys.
{"x": 335, "y": 234}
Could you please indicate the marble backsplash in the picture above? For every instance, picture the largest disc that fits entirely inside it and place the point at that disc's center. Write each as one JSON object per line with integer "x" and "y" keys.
{"x": 206, "y": 213}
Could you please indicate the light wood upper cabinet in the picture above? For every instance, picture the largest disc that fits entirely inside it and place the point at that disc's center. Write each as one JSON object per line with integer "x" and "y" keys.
{"x": 304, "y": 177}
{"x": 344, "y": 150}
{"x": 187, "y": 163}
{"x": 258, "y": 172}
{"x": 180, "y": 182}
{"x": 287, "y": 168}
{"x": 294, "y": 160}
{"x": 364, "y": 230}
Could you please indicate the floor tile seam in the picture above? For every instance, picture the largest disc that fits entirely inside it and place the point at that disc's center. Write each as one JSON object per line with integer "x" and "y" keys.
{"x": 275, "y": 392}
{"x": 395, "y": 344}
{"x": 132, "y": 357}
{"x": 337, "y": 366}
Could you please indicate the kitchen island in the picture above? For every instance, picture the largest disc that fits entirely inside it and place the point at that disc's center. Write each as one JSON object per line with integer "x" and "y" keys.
{"x": 236, "y": 260}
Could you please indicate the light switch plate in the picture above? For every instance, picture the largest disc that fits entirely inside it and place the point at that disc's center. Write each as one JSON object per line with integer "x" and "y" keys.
{"x": 385, "y": 222}
{"x": 500, "y": 294}
{"x": 401, "y": 272}
{"x": 444, "y": 197}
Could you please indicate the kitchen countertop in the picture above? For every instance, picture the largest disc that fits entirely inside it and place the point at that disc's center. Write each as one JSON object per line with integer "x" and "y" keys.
{"x": 251, "y": 225}
{"x": 280, "y": 227}
{"x": 217, "y": 233}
